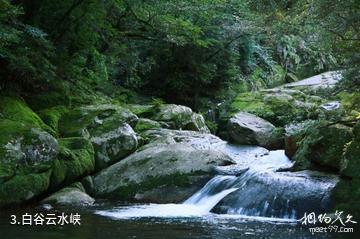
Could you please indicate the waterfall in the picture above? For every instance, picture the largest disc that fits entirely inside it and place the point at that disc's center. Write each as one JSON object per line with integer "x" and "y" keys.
{"x": 211, "y": 194}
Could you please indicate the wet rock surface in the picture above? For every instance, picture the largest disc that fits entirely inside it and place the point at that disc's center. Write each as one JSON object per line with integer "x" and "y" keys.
{"x": 245, "y": 128}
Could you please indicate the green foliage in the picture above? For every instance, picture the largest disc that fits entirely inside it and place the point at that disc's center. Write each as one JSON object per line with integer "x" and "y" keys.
{"x": 181, "y": 51}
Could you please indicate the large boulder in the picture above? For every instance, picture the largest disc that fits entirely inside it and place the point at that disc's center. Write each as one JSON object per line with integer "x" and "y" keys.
{"x": 246, "y": 128}
{"x": 174, "y": 116}
{"x": 15, "y": 109}
{"x": 278, "y": 106}
{"x": 157, "y": 171}
{"x": 32, "y": 161}
{"x": 26, "y": 158}
{"x": 322, "y": 146}
{"x": 107, "y": 126}
{"x": 144, "y": 124}
{"x": 347, "y": 192}
{"x": 75, "y": 160}
{"x": 197, "y": 140}
{"x": 180, "y": 117}
{"x": 73, "y": 195}
{"x": 280, "y": 194}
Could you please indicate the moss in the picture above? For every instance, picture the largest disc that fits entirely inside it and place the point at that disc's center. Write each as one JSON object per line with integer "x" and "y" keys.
{"x": 322, "y": 146}
{"x": 146, "y": 124}
{"x": 279, "y": 108}
{"x": 350, "y": 165}
{"x": 350, "y": 101}
{"x": 52, "y": 116}
{"x": 346, "y": 197}
{"x": 76, "y": 159}
{"x": 252, "y": 103}
{"x": 94, "y": 118}
{"x": 18, "y": 142}
{"x": 77, "y": 156}
{"x": 15, "y": 109}
{"x": 23, "y": 188}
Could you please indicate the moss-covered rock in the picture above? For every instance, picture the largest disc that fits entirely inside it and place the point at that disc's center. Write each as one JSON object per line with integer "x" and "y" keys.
{"x": 347, "y": 192}
{"x": 15, "y": 109}
{"x": 322, "y": 145}
{"x": 76, "y": 160}
{"x": 146, "y": 124}
{"x": 22, "y": 188}
{"x": 112, "y": 143}
{"x": 52, "y": 116}
{"x": 350, "y": 164}
{"x": 155, "y": 167}
{"x": 80, "y": 121}
{"x": 108, "y": 128}
{"x": 280, "y": 107}
{"x": 26, "y": 158}
{"x": 346, "y": 197}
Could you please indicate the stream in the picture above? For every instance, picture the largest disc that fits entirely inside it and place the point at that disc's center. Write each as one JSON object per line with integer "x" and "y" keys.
{"x": 255, "y": 198}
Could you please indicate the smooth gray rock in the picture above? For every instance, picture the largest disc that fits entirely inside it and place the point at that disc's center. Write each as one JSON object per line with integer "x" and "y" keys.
{"x": 280, "y": 194}
{"x": 156, "y": 167}
{"x": 73, "y": 195}
{"x": 113, "y": 144}
{"x": 246, "y": 128}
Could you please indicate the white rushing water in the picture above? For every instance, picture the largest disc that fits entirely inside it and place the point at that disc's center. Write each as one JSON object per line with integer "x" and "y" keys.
{"x": 198, "y": 205}
{"x": 258, "y": 192}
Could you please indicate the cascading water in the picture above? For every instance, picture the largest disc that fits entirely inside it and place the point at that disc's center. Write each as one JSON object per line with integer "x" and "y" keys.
{"x": 256, "y": 189}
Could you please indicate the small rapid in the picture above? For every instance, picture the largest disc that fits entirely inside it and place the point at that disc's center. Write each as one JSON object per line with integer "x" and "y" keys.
{"x": 257, "y": 186}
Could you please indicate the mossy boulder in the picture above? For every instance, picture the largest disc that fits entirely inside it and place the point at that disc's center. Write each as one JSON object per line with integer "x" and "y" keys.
{"x": 22, "y": 188}
{"x": 279, "y": 107}
{"x": 112, "y": 142}
{"x": 76, "y": 160}
{"x": 108, "y": 128}
{"x": 160, "y": 166}
{"x": 322, "y": 146}
{"x": 180, "y": 117}
{"x": 347, "y": 192}
{"x": 27, "y": 155}
{"x": 52, "y": 116}
{"x": 346, "y": 197}
{"x": 15, "y": 109}
{"x": 350, "y": 164}
{"x": 80, "y": 121}
{"x": 146, "y": 124}
{"x": 173, "y": 116}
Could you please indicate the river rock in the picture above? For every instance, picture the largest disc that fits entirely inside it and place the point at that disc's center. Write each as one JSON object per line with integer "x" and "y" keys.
{"x": 180, "y": 117}
{"x": 28, "y": 150}
{"x": 73, "y": 195}
{"x": 158, "y": 167}
{"x": 322, "y": 146}
{"x": 146, "y": 124}
{"x": 75, "y": 160}
{"x": 195, "y": 139}
{"x": 278, "y": 106}
{"x": 27, "y": 155}
{"x": 280, "y": 195}
{"x": 107, "y": 126}
{"x": 245, "y": 128}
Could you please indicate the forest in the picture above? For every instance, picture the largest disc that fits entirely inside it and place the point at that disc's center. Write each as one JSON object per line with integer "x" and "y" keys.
{"x": 177, "y": 103}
